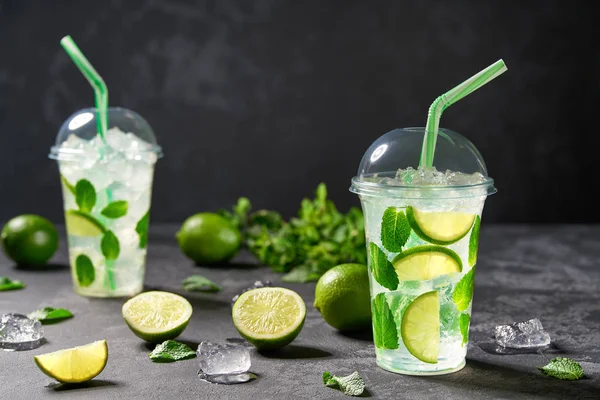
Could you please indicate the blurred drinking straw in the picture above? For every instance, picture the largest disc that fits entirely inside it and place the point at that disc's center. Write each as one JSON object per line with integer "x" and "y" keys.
{"x": 446, "y": 100}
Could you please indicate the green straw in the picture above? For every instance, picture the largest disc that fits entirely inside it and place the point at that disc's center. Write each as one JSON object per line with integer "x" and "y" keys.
{"x": 446, "y": 100}
{"x": 100, "y": 89}
{"x": 101, "y": 97}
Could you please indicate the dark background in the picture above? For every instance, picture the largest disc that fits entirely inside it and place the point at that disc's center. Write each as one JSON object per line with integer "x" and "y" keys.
{"x": 268, "y": 98}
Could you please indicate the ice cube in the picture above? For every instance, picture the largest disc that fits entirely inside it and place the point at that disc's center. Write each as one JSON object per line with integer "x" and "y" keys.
{"x": 255, "y": 285}
{"x": 522, "y": 335}
{"x": 223, "y": 359}
{"x": 227, "y": 379}
{"x": 17, "y": 332}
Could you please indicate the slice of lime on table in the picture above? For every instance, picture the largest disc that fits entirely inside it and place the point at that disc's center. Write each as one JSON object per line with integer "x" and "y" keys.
{"x": 157, "y": 316}
{"x": 269, "y": 317}
{"x": 420, "y": 328}
{"x": 82, "y": 224}
{"x": 426, "y": 262}
{"x": 75, "y": 365}
{"x": 440, "y": 227}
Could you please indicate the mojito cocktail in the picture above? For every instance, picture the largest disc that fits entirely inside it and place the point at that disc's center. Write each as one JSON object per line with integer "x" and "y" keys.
{"x": 422, "y": 231}
{"x": 107, "y": 186}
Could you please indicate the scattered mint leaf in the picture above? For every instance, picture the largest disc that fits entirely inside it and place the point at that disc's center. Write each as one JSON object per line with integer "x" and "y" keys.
{"x": 85, "y": 195}
{"x": 351, "y": 385}
{"x": 474, "y": 241}
{"x": 395, "y": 229}
{"x": 84, "y": 269}
{"x": 463, "y": 292}
{"x": 9, "y": 284}
{"x": 301, "y": 274}
{"x": 382, "y": 269}
{"x": 70, "y": 187}
{"x": 49, "y": 315}
{"x": 464, "y": 321}
{"x": 110, "y": 246}
{"x": 563, "y": 368}
{"x": 170, "y": 351}
{"x": 142, "y": 230}
{"x": 115, "y": 209}
{"x": 384, "y": 327}
{"x": 198, "y": 283}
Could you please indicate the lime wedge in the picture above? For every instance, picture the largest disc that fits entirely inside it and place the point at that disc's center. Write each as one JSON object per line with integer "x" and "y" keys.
{"x": 420, "y": 327}
{"x": 426, "y": 262}
{"x": 269, "y": 317}
{"x": 157, "y": 316}
{"x": 440, "y": 227}
{"x": 82, "y": 224}
{"x": 75, "y": 365}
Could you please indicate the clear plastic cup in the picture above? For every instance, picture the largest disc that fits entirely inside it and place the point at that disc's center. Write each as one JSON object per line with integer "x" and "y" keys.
{"x": 107, "y": 186}
{"x": 422, "y": 245}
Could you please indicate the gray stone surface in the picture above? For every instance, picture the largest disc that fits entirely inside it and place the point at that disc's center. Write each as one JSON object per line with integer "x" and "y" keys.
{"x": 551, "y": 272}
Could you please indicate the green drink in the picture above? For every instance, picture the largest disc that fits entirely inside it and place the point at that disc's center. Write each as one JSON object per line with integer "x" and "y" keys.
{"x": 422, "y": 230}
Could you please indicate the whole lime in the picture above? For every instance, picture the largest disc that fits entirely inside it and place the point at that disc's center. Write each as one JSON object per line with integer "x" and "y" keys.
{"x": 29, "y": 239}
{"x": 342, "y": 297}
{"x": 208, "y": 238}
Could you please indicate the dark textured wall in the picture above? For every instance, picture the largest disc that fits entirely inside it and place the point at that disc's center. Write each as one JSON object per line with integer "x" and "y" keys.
{"x": 268, "y": 98}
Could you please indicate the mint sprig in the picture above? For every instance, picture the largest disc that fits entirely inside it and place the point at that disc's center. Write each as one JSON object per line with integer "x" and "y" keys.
{"x": 563, "y": 368}
{"x": 84, "y": 270}
{"x": 110, "y": 246}
{"x": 171, "y": 351}
{"x": 385, "y": 332}
{"x": 50, "y": 315}
{"x": 198, "y": 283}
{"x": 115, "y": 209}
{"x": 85, "y": 195}
{"x": 351, "y": 385}
{"x": 463, "y": 292}
{"x": 10, "y": 284}
{"x": 142, "y": 229}
{"x": 395, "y": 229}
{"x": 69, "y": 187}
{"x": 464, "y": 321}
{"x": 382, "y": 269}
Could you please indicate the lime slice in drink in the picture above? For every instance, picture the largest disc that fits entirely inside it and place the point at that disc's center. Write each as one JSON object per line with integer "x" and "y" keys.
{"x": 157, "y": 316}
{"x": 440, "y": 227}
{"x": 75, "y": 365}
{"x": 426, "y": 262}
{"x": 269, "y": 317}
{"x": 420, "y": 327}
{"x": 82, "y": 224}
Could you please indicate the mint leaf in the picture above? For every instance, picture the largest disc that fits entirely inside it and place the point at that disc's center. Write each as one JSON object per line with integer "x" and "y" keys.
{"x": 198, "y": 283}
{"x": 110, "y": 246}
{"x": 115, "y": 209}
{"x": 385, "y": 331}
{"x": 563, "y": 368}
{"x": 49, "y": 315}
{"x": 84, "y": 269}
{"x": 464, "y": 321}
{"x": 463, "y": 292}
{"x": 382, "y": 269}
{"x": 170, "y": 351}
{"x": 70, "y": 187}
{"x": 142, "y": 229}
{"x": 395, "y": 229}
{"x": 8, "y": 284}
{"x": 474, "y": 241}
{"x": 85, "y": 195}
{"x": 301, "y": 274}
{"x": 351, "y": 385}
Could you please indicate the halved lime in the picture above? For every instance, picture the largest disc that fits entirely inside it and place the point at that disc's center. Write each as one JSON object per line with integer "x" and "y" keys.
{"x": 426, "y": 262}
{"x": 75, "y": 365}
{"x": 440, "y": 227}
{"x": 269, "y": 317}
{"x": 420, "y": 327}
{"x": 82, "y": 224}
{"x": 157, "y": 316}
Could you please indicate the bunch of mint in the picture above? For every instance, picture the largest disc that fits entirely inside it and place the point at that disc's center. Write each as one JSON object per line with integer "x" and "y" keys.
{"x": 306, "y": 246}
